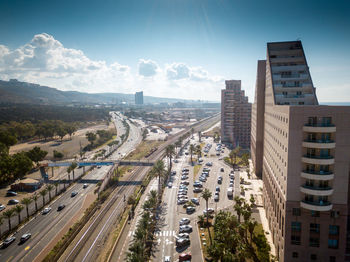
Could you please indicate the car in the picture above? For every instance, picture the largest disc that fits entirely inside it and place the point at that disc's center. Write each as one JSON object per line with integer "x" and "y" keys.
{"x": 216, "y": 198}
{"x": 60, "y": 207}
{"x": 209, "y": 164}
{"x": 209, "y": 210}
{"x": 176, "y": 161}
{"x": 85, "y": 185}
{"x": 167, "y": 259}
{"x": 99, "y": 167}
{"x": 219, "y": 180}
{"x": 25, "y": 237}
{"x": 183, "y": 235}
{"x": 170, "y": 185}
{"x": 222, "y": 169}
{"x": 205, "y": 154}
{"x": 231, "y": 185}
{"x": 184, "y": 221}
{"x": 2, "y": 207}
{"x": 13, "y": 202}
{"x": 185, "y": 169}
{"x": 217, "y": 189}
{"x": 11, "y": 193}
{"x": 202, "y": 179}
{"x": 185, "y": 183}
{"x": 181, "y": 242}
{"x": 185, "y": 229}
{"x": 185, "y": 257}
{"x": 173, "y": 173}
{"x": 195, "y": 201}
{"x": 230, "y": 192}
{"x": 190, "y": 210}
{"x": 46, "y": 210}
{"x": 197, "y": 190}
{"x": 197, "y": 184}
{"x": 181, "y": 201}
{"x": 184, "y": 177}
{"x": 73, "y": 194}
{"x": 8, "y": 241}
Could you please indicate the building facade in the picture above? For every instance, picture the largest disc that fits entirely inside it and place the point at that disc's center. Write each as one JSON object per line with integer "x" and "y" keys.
{"x": 305, "y": 160}
{"x": 235, "y": 115}
{"x": 139, "y": 98}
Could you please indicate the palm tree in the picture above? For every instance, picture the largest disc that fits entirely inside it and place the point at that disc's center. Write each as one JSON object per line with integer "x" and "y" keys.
{"x": 56, "y": 184}
{"x": 199, "y": 151}
{"x": 73, "y": 166}
{"x": 69, "y": 169}
{"x": 18, "y": 210}
{"x": 159, "y": 171}
{"x": 199, "y": 136}
{"x": 49, "y": 189}
{"x": 170, "y": 152}
{"x": 43, "y": 194}
{"x": 8, "y": 214}
{"x": 201, "y": 220}
{"x": 192, "y": 131}
{"x": 35, "y": 198}
{"x": 206, "y": 194}
{"x": 192, "y": 150}
{"x": 26, "y": 201}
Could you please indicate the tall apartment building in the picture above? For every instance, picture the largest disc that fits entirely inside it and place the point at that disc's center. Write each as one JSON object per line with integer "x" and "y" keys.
{"x": 235, "y": 115}
{"x": 305, "y": 159}
{"x": 139, "y": 98}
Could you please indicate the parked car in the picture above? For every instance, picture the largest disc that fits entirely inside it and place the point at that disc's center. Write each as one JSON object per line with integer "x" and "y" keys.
{"x": 217, "y": 189}
{"x": 184, "y": 221}
{"x": 195, "y": 201}
{"x": 8, "y": 241}
{"x": 185, "y": 229}
{"x": 60, "y": 207}
{"x": 182, "y": 235}
{"x": 230, "y": 192}
{"x": 181, "y": 242}
{"x": 209, "y": 164}
{"x": 185, "y": 257}
{"x": 11, "y": 193}
{"x": 185, "y": 183}
{"x": 25, "y": 237}
{"x": 197, "y": 190}
{"x": 190, "y": 210}
{"x": 74, "y": 193}
{"x": 46, "y": 210}
{"x": 216, "y": 198}
{"x": 170, "y": 185}
{"x": 222, "y": 169}
{"x": 13, "y": 202}
{"x": 85, "y": 185}
{"x": 2, "y": 207}
{"x": 184, "y": 177}
{"x": 181, "y": 201}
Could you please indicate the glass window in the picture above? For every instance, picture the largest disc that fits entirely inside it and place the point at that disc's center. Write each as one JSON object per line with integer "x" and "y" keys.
{"x": 315, "y": 213}
{"x": 334, "y": 214}
{"x": 332, "y": 259}
{"x": 295, "y": 255}
{"x": 333, "y": 230}
{"x": 314, "y": 228}
{"x": 313, "y": 257}
{"x": 295, "y": 240}
{"x": 296, "y": 211}
{"x": 296, "y": 226}
{"x": 333, "y": 243}
{"x": 314, "y": 242}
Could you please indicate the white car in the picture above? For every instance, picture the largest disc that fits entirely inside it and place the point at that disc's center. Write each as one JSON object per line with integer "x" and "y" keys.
{"x": 170, "y": 185}
{"x": 184, "y": 221}
{"x": 46, "y": 210}
{"x": 2, "y": 207}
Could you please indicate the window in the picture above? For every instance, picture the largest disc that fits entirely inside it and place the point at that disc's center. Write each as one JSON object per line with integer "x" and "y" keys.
{"x": 332, "y": 259}
{"x": 295, "y": 240}
{"x": 333, "y": 230}
{"x": 314, "y": 228}
{"x": 296, "y": 211}
{"x": 333, "y": 243}
{"x": 334, "y": 214}
{"x": 315, "y": 242}
{"x": 296, "y": 226}
{"x": 313, "y": 257}
{"x": 295, "y": 254}
{"x": 315, "y": 213}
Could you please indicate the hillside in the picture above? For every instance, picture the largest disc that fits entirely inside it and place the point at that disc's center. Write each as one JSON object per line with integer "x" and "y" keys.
{"x": 17, "y": 92}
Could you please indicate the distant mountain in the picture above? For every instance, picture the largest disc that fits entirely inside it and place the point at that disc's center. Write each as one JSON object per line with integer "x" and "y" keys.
{"x": 17, "y": 92}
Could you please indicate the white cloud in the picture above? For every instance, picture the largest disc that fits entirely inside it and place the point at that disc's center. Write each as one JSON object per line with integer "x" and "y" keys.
{"x": 147, "y": 68}
{"x": 44, "y": 60}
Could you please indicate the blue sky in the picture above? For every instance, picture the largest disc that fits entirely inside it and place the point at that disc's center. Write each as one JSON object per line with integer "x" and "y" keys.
{"x": 177, "y": 48}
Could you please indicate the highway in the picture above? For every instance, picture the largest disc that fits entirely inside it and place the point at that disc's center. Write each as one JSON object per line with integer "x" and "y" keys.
{"x": 89, "y": 243}
{"x": 46, "y": 229}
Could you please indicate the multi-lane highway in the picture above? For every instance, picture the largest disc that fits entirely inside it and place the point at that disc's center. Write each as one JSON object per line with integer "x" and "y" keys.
{"x": 47, "y": 229}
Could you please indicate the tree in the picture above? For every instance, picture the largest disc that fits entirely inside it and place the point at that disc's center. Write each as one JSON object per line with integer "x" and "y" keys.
{"x": 170, "y": 152}
{"x": 61, "y": 132}
{"x": 199, "y": 136}
{"x": 192, "y": 131}
{"x": 8, "y": 214}
{"x": 7, "y": 138}
{"x": 199, "y": 151}
{"x": 35, "y": 198}
{"x": 49, "y": 189}
{"x": 206, "y": 194}
{"x": 144, "y": 134}
{"x": 70, "y": 129}
{"x": 159, "y": 171}
{"x": 73, "y": 166}
{"x": 18, "y": 210}
{"x": 57, "y": 154}
{"x": 36, "y": 155}
{"x": 43, "y": 194}
{"x": 192, "y": 150}
{"x": 26, "y": 201}
{"x": 245, "y": 159}
{"x": 56, "y": 184}
{"x": 91, "y": 137}
{"x": 21, "y": 165}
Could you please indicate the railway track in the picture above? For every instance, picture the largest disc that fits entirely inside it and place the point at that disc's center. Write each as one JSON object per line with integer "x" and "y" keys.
{"x": 111, "y": 211}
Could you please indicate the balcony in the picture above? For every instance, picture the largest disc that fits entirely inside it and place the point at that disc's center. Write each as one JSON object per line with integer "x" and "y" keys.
{"x": 319, "y": 143}
{"x": 318, "y": 160}
{"x": 319, "y": 128}
{"x": 316, "y": 206}
{"x": 316, "y": 191}
{"x": 317, "y": 175}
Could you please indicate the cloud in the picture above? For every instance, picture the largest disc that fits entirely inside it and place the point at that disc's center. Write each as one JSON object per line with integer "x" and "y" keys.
{"x": 147, "y": 68}
{"x": 46, "y": 61}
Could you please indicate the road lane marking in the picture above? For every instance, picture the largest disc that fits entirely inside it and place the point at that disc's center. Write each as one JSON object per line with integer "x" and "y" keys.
{"x": 27, "y": 247}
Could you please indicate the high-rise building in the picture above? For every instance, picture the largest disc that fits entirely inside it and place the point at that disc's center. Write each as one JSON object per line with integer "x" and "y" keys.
{"x": 139, "y": 98}
{"x": 235, "y": 115}
{"x": 305, "y": 159}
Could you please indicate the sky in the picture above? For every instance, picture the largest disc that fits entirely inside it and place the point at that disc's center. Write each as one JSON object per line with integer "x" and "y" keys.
{"x": 170, "y": 48}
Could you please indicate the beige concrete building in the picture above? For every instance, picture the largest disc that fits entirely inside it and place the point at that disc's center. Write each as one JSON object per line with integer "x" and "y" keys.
{"x": 235, "y": 115}
{"x": 305, "y": 159}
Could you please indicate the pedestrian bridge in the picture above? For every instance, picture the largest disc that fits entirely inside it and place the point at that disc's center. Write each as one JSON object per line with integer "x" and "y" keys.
{"x": 101, "y": 163}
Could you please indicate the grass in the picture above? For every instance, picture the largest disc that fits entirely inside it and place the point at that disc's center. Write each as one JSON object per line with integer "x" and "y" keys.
{"x": 205, "y": 239}
{"x": 196, "y": 169}
{"x": 143, "y": 149}
{"x": 212, "y": 132}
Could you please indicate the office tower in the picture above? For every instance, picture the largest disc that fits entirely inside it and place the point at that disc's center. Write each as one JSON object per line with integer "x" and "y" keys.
{"x": 235, "y": 115}
{"x": 139, "y": 98}
{"x": 305, "y": 159}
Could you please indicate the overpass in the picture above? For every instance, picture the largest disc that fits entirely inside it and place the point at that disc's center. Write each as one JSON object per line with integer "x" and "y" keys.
{"x": 101, "y": 163}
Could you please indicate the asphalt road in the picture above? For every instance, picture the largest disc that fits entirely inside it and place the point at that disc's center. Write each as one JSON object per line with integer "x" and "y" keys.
{"x": 44, "y": 228}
